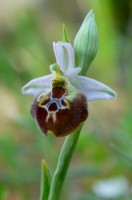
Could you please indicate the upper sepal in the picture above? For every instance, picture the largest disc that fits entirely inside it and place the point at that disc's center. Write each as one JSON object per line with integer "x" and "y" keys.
{"x": 65, "y": 58}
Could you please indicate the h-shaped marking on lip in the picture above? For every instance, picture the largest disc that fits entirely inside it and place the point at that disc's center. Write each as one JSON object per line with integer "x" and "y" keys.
{"x": 58, "y": 102}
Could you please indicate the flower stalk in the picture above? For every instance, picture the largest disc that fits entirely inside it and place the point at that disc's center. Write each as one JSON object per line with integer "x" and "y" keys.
{"x": 63, "y": 164}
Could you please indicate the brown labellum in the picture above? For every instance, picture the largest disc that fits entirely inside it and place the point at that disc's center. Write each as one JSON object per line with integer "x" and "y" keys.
{"x": 54, "y": 112}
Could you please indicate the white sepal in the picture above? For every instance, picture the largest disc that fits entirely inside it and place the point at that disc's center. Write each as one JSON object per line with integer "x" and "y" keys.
{"x": 65, "y": 58}
{"x": 37, "y": 85}
{"x": 93, "y": 90}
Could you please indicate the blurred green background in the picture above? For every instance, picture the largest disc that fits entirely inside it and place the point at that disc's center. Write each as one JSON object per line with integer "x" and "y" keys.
{"x": 104, "y": 151}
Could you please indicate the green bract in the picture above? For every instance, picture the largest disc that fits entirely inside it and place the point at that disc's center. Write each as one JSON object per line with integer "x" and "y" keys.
{"x": 86, "y": 43}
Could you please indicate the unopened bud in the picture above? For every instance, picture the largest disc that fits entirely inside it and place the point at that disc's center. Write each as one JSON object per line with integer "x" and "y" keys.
{"x": 86, "y": 43}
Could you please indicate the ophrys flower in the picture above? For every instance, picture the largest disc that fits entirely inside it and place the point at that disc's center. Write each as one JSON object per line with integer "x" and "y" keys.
{"x": 61, "y": 98}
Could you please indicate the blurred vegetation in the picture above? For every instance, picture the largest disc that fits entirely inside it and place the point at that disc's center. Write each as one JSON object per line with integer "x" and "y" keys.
{"x": 105, "y": 146}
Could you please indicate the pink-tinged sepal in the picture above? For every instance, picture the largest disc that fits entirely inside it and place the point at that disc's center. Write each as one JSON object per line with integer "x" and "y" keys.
{"x": 54, "y": 112}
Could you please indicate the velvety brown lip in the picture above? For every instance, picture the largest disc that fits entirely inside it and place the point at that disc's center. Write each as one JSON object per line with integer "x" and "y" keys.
{"x": 60, "y": 121}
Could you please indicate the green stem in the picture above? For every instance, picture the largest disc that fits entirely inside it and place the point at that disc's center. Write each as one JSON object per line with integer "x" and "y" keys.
{"x": 63, "y": 164}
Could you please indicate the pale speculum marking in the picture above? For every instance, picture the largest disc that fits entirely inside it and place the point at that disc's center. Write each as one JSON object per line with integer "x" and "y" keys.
{"x": 52, "y": 105}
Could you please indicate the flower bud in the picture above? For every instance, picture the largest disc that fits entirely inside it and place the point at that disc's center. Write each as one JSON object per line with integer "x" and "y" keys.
{"x": 86, "y": 43}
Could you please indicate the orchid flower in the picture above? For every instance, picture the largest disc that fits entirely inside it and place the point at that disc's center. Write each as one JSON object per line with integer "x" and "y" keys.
{"x": 61, "y": 98}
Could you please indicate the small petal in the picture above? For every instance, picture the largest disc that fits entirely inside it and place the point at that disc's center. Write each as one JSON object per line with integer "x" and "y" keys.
{"x": 37, "y": 85}
{"x": 65, "y": 58}
{"x": 73, "y": 72}
{"x": 94, "y": 90}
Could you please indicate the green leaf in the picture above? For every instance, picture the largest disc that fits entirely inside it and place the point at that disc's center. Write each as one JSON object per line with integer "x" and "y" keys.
{"x": 63, "y": 164}
{"x": 65, "y": 36}
{"x": 45, "y": 181}
{"x": 86, "y": 43}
